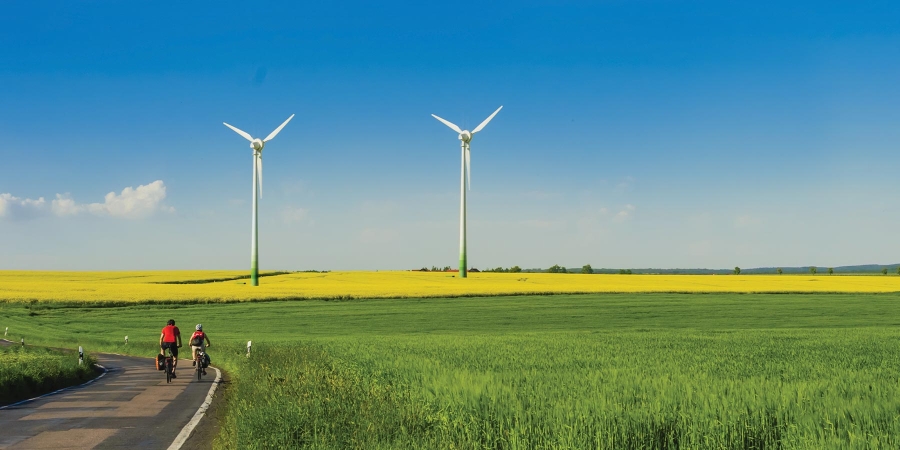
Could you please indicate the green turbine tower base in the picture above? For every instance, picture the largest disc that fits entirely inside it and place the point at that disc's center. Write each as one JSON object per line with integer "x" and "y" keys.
{"x": 462, "y": 214}
{"x": 254, "y": 229}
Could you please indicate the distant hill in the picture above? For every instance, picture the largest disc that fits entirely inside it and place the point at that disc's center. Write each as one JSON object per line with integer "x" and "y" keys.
{"x": 865, "y": 268}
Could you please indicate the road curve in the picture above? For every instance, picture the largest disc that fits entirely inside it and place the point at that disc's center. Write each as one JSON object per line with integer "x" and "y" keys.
{"x": 132, "y": 407}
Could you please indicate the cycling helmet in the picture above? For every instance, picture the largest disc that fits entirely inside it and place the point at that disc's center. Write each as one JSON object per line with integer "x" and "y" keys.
{"x": 199, "y": 327}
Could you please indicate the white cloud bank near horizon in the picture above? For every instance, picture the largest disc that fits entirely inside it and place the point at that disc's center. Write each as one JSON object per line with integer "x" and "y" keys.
{"x": 132, "y": 203}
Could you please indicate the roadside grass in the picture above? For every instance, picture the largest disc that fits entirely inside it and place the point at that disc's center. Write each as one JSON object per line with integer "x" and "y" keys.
{"x": 655, "y": 371}
{"x": 798, "y": 389}
{"x": 27, "y": 372}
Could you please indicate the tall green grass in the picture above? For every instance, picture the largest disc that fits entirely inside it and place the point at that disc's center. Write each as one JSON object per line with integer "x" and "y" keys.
{"x": 614, "y": 390}
{"x": 720, "y": 371}
{"x": 27, "y": 372}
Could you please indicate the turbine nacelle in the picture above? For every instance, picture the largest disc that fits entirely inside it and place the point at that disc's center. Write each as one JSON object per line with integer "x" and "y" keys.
{"x": 465, "y": 136}
{"x": 257, "y": 145}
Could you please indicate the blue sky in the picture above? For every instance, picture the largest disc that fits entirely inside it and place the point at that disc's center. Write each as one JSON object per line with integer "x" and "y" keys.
{"x": 634, "y": 134}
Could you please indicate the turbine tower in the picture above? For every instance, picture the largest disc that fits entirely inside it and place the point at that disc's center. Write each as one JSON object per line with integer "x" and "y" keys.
{"x": 257, "y": 145}
{"x": 465, "y": 138}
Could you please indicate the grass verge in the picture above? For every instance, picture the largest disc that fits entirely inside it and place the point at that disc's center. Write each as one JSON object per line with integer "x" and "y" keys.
{"x": 27, "y": 372}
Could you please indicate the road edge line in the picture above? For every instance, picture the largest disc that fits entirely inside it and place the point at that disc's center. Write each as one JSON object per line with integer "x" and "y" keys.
{"x": 201, "y": 411}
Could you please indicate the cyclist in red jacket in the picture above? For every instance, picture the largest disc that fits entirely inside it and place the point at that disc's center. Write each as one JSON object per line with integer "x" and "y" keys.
{"x": 168, "y": 339}
{"x": 199, "y": 341}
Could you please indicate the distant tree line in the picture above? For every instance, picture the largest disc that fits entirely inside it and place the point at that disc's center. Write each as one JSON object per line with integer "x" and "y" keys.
{"x": 813, "y": 270}
{"x": 556, "y": 268}
{"x": 435, "y": 269}
{"x": 587, "y": 269}
{"x": 513, "y": 269}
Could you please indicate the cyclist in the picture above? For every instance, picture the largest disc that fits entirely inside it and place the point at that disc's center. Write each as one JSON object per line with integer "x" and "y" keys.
{"x": 199, "y": 341}
{"x": 170, "y": 336}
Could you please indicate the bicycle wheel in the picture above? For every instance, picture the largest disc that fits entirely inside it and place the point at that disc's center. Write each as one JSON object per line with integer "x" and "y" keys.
{"x": 199, "y": 369}
{"x": 168, "y": 370}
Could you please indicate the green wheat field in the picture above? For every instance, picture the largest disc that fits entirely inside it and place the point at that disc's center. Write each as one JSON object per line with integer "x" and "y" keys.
{"x": 622, "y": 371}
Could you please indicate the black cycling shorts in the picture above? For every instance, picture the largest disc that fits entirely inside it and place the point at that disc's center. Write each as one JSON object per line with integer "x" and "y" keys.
{"x": 171, "y": 346}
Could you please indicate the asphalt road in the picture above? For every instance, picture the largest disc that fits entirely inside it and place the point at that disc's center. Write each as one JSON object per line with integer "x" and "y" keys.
{"x": 131, "y": 407}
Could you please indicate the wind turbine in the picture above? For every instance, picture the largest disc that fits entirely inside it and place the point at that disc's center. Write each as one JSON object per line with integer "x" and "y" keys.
{"x": 257, "y": 146}
{"x": 465, "y": 138}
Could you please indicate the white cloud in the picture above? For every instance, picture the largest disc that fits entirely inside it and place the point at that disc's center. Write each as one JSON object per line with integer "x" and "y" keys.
{"x": 292, "y": 214}
{"x": 16, "y": 208}
{"x": 131, "y": 203}
{"x": 65, "y": 206}
{"x": 625, "y": 214}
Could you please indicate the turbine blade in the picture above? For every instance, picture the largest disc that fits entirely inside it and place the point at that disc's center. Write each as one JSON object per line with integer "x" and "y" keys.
{"x": 272, "y": 134}
{"x": 240, "y": 132}
{"x": 259, "y": 173}
{"x": 448, "y": 123}
{"x": 479, "y": 127}
{"x": 469, "y": 166}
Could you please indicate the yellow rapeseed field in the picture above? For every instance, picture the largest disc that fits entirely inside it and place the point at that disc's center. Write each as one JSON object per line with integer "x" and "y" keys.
{"x": 23, "y": 286}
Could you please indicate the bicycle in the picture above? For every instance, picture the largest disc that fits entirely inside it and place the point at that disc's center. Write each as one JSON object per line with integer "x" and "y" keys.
{"x": 199, "y": 360}
{"x": 170, "y": 370}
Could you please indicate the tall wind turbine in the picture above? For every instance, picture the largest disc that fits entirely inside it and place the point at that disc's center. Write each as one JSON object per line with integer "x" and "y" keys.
{"x": 465, "y": 138}
{"x": 257, "y": 146}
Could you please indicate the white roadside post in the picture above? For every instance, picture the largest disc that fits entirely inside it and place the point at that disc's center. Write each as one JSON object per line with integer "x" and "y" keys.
{"x": 80, "y": 355}
{"x": 6, "y": 332}
{"x": 248, "y": 348}
{"x": 23, "y": 342}
{"x": 126, "y": 340}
